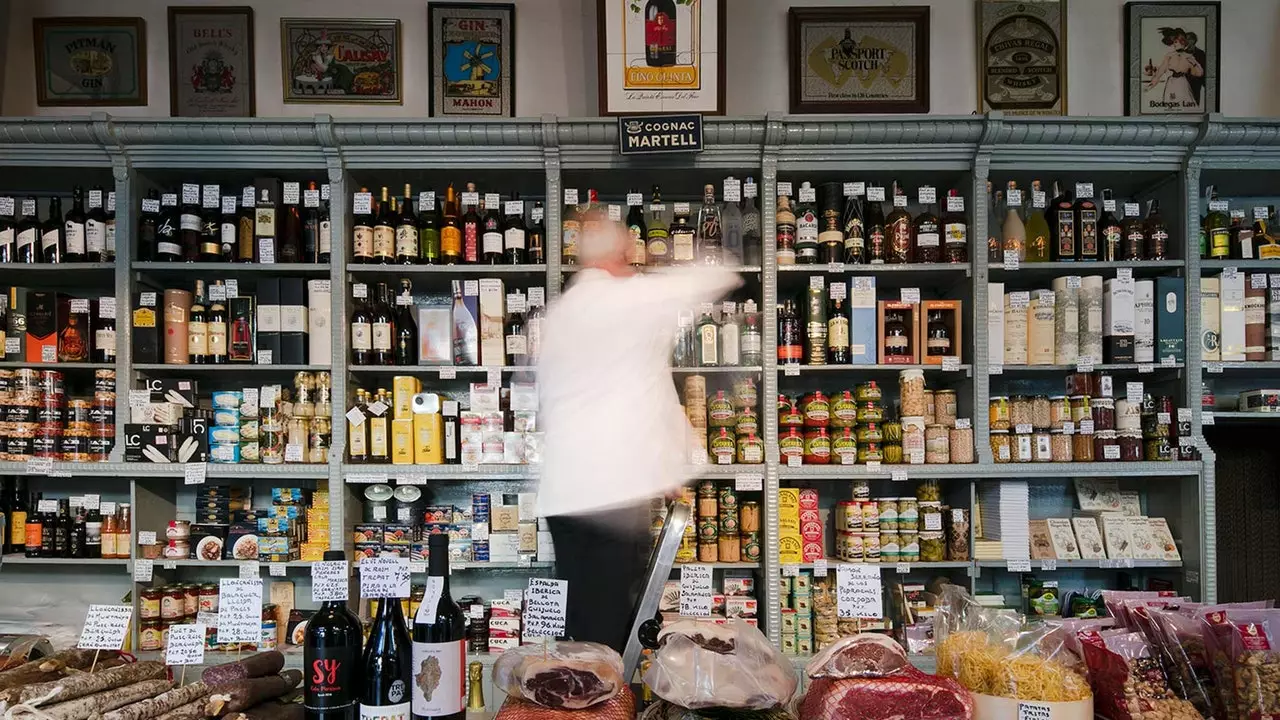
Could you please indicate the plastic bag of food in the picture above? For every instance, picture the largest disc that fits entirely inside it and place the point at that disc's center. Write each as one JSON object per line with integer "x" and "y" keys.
{"x": 1128, "y": 683}
{"x": 864, "y": 655}
{"x": 621, "y": 706}
{"x": 1182, "y": 641}
{"x": 563, "y": 676}
{"x": 1255, "y": 661}
{"x": 1114, "y": 602}
{"x": 1216, "y": 632}
{"x": 663, "y": 710}
{"x": 700, "y": 664}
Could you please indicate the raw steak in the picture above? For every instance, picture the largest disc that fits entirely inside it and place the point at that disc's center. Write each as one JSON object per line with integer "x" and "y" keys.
{"x": 620, "y": 707}
{"x": 865, "y": 655}
{"x": 907, "y": 695}
{"x": 568, "y": 676}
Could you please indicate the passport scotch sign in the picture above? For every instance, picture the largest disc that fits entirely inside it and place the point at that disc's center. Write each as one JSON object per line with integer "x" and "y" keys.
{"x": 652, "y": 134}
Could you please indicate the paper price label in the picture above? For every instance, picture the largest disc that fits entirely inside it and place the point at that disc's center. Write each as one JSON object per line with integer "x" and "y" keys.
{"x": 873, "y": 466}
{"x": 1105, "y": 386}
{"x": 1184, "y": 414}
{"x": 239, "y": 610}
{"x": 1013, "y": 198}
{"x": 748, "y": 482}
{"x": 732, "y": 190}
{"x": 1048, "y": 564}
{"x": 311, "y": 198}
{"x": 194, "y": 473}
{"x": 426, "y": 201}
{"x": 276, "y": 569}
{"x": 360, "y": 291}
{"x": 1133, "y": 392}
{"x": 1084, "y": 190}
{"x": 362, "y": 203}
{"x": 1019, "y": 566}
{"x": 750, "y": 189}
{"x": 820, "y": 567}
{"x": 635, "y": 199}
{"x": 210, "y": 196}
{"x": 1146, "y": 368}
{"x": 951, "y": 364}
{"x": 898, "y": 475}
{"x": 791, "y": 370}
{"x": 955, "y": 203}
{"x": 1218, "y": 206}
{"x": 927, "y": 195}
{"x": 329, "y": 581}
{"x": 570, "y": 196}
{"x": 1259, "y": 213}
{"x": 875, "y": 194}
{"x": 1019, "y": 300}
{"x": 493, "y": 377}
{"x": 1207, "y": 418}
{"x": 1037, "y": 199}
{"x": 790, "y": 570}
{"x": 1011, "y": 260}
{"x": 1131, "y": 209}
{"x": 218, "y": 292}
{"x": 143, "y": 570}
{"x": 384, "y": 577}
{"x": 808, "y": 195}
{"x": 1034, "y": 711}
{"x": 963, "y": 423}
{"x": 448, "y": 373}
{"x": 546, "y": 604}
{"x": 784, "y": 188}
{"x": 291, "y": 191}
{"x": 615, "y": 213}
{"x": 1124, "y": 274}
{"x": 146, "y": 537}
{"x": 39, "y": 466}
{"x": 695, "y": 590}
{"x": 854, "y": 189}
{"x": 6, "y": 206}
{"x": 681, "y": 208}
{"x": 932, "y": 521}
{"x": 1213, "y": 367}
{"x": 1111, "y": 452}
{"x": 250, "y": 569}
{"x": 995, "y": 369}
{"x": 417, "y": 567}
{"x": 492, "y": 201}
{"x": 185, "y": 645}
{"x": 105, "y": 627}
{"x": 149, "y": 205}
{"x": 794, "y": 461}
{"x": 1258, "y": 281}
{"x": 859, "y": 592}
{"x": 1109, "y": 205}
{"x": 899, "y": 201}
{"x": 190, "y": 194}
{"x": 513, "y": 207}
{"x": 911, "y": 295}
{"x": 470, "y": 199}
{"x": 1086, "y": 427}
{"x": 233, "y": 288}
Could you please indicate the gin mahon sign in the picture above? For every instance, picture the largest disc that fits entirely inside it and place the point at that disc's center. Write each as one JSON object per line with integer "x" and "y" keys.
{"x": 646, "y": 134}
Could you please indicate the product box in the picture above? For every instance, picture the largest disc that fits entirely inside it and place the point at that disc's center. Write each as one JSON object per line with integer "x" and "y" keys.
{"x": 1089, "y": 538}
{"x": 902, "y": 349}
{"x": 75, "y": 329}
{"x": 207, "y": 540}
{"x": 1210, "y": 318}
{"x": 181, "y": 392}
{"x": 191, "y": 441}
{"x": 1063, "y": 538}
{"x": 1164, "y": 539}
{"x": 1171, "y": 320}
{"x": 435, "y": 335}
{"x": 1115, "y": 534}
{"x": 15, "y": 303}
{"x": 148, "y": 442}
{"x": 995, "y": 323}
{"x": 1231, "y": 299}
{"x": 1118, "y": 320}
{"x": 863, "y": 341}
{"x": 319, "y": 323}
{"x": 528, "y": 537}
{"x": 465, "y": 322}
{"x": 241, "y": 323}
{"x": 493, "y": 348}
{"x": 242, "y": 542}
{"x": 741, "y": 607}
{"x": 402, "y": 442}
{"x": 1143, "y": 543}
{"x": 403, "y": 388}
{"x": 504, "y": 518}
{"x": 950, "y": 315}
{"x": 268, "y": 335}
{"x": 790, "y": 549}
{"x": 1016, "y": 320}
{"x": 1144, "y": 321}
{"x": 1098, "y": 495}
{"x": 293, "y": 322}
{"x": 42, "y": 327}
{"x": 1041, "y": 543}
{"x": 267, "y": 195}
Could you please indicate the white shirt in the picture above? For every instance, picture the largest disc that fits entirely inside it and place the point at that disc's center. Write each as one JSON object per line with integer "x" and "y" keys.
{"x": 615, "y": 431}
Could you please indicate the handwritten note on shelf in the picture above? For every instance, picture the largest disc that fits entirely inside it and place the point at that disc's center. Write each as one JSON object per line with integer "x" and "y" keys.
{"x": 546, "y": 604}
{"x": 239, "y": 610}
{"x": 105, "y": 627}
{"x": 383, "y": 577}
{"x": 329, "y": 581}
{"x": 185, "y": 645}
{"x": 695, "y": 590}
{"x": 859, "y": 592}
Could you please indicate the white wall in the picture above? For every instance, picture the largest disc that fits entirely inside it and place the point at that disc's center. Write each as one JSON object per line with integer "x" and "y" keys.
{"x": 556, "y": 54}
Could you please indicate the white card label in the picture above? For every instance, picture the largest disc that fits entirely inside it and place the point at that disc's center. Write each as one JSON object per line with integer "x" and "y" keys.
{"x": 859, "y": 592}
{"x": 1034, "y": 711}
{"x": 911, "y": 295}
{"x": 194, "y": 473}
{"x": 185, "y": 645}
{"x": 927, "y": 195}
{"x": 1084, "y": 190}
{"x": 570, "y": 196}
{"x": 329, "y": 581}
{"x": 855, "y": 189}
{"x": 695, "y": 590}
{"x": 146, "y": 537}
{"x": 875, "y": 194}
{"x": 546, "y": 604}
{"x": 250, "y": 569}
{"x": 1011, "y": 260}
{"x": 362, "y": 203}
{"x": 1133, "y": 392}
{"x": 277, "y": 569}
{"x": 955, "y": 203}
{"x": 1018, "y": 566}
{"x": 749, "y": 482}
{"x": 105, "y": 627}
{"x": 239, "y": 610}
{"x": 384, "y": 577}
{"x": 143, "y": 570}
{"x": 635, "y": 199}
{"x": 784, "y": 188}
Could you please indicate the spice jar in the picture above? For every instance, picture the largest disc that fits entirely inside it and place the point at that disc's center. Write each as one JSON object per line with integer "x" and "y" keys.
{"x": 817, "y": 447}
{"x": 945, "y": 407}
{"x": 1001, "y": 447}
{"x": 1060, "y": 444}
{"x": 998, "y": 413}
{"x": 1020, "y": 412}
{"x": 911, "y": 391}
{"x": 937, "y": 445}
{"x": 869, "y": 392}
{"x": 844, "y": 448}
{"x": 817, "y": 410}
{"x": 932, "y": 547}
{"x": 1103, "y": 411}
{"x": 961, "y": 442}
{"x": 844, "y": 410}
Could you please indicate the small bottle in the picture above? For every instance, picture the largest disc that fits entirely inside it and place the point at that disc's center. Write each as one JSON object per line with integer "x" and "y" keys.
{"x": 682, "y": 243}
{"x": 470, "y": 225}
{"x": 785, "y": 231}
{"x": 928, "y": 236}
{"x": 708, "y": 338}
{"x": 752, "y": 341}
{"x": 806, "y": 227}
{"x": 790, "y": 335}
{"x": 1158, "y": 234}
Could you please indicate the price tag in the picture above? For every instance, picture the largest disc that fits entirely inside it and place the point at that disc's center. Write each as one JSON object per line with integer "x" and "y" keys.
{"x": 513, "y": 207}
{"x": 194, "y": 473}
{"x": 143, "y": 570}
{"x": 291, "y": 192}
{"x": 267, "y": 251}
{"x": 1034, "y": 711}
{"x": 185, "y": 645}
{"x": 493, "y": 377}
{"x": 681, "y": 208}
{"x": 635, "y": 199}
{"x": 146, "y": 537}
{"x": 546, "y": 604}
{"x": 794, "y": 461}
{"x": 1259, "y": 213}
{"x": 233, "y": 288}
{"x": 995, "y": 369}
{"x": 264, "y": 357}
{"x": 820, "y": 567}
{"x": 1084, "y": 190}
{"x": 932, "y": 521}
{"x": 1105, "y": 386}
{"x": 732, "y": 190}
{"x": 695, "y": 590}
{"x": 1124, "y": 274}
{"x": 6, "y": 206}
{"x": 855, "y": 189}
{"x": 570, "y": 196}
{"x": 1133, "y": 392}
{"x": 250, "y": 569}
{"x": 1111, "y": 452}
{"x": 492, "y": 201}
{"x": 873, "y": 466}
{"x": 963, "y": 423}
{"x": 1131, "y": 209}
{"x": 1013, "y": 198}
{"x": 1019, "y": 300}
{"x": 384, "y": 577}
{"x": 417, "y": 567}
{"x": 276, "y": 569}
{"x": 1037, "y": 199}
{"x": 1206, "y": 417}
{"x": 1258, "y": 281}
{"x": 239, "y": 610}
{"x": 951, "y": 363}
{"x": 1018, "y": 566}
{"x": 49, "y": 354}
{"x": 790, "y": 570}
{"x": 615, "y": 213}
{"x": 911, "y": 295}
{"x": 791, "y": 370}
{"x": 748, "y": 482}
{"x": 426, "y": 201}
{"x": 1218, "y": 206}
{"x": 362, "y": 203}
{"x": 168, "y": 564}
{"x": 955, "y": 203}
{"x": 12, "y": 345}
{"x": 448, "y": 373}
{"x": 1213, "y": 366}
{"x": 859, "y": 592}
{"x": 1146, "y": 368}
{"x": 1086, "y": 427}
{"x": 784, "y": 188}
{"x": 1011, "y": 260}
{"x": 1069, "y": 427}
{"x": 1022, "y": 428}
{"x": 1184, "y": 415}
{"x": 310, "y": 198}
{"x": 39, "y": 466}
{"x": 149, "y": 205}
{"x": 92, "y": 502}
{"x": 190, "y": 194}
{"x": 470, "y": 199}
{"x": 105, "y": 627}
{"x": 875, "y": 194}
{"x": 750, "y": 189}
{"x": 217, "y": 292}
{"x": 808, "y": 194}
{"x": 1051, "y": 564}
{"x": 1109, "y": 205}
{"x": 899, "y": 201}
{"x": 835, "y": 267}
{"x": 329, "y": 581}
{"x": 898, "y": 475}
{"x": 927, "y": 195}
{"x": 1163, "y": 418}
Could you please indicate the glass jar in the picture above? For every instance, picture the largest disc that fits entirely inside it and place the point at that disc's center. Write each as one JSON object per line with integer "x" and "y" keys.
{"x": 928, "y": 491}
{"x": 172, "y": 603}
{"x": 871, "y": 452}
{"x": 1103, "y": 411}
{"x": 892, "y": 431}
{"x": 908, "y": 514}
{"x": 789, "y": 414}
{"x": 844, "y": 448}
{"x": 890, "y": 452}
{"x": 1130, "y": 446}
{"x": 887, "y": 514}
{"x": 1082, "y": 448}
{"x": 844, "y": 410}
{"x": 868, "y": 392}
{"x": 1041, "y": 412}
{"x": 1106, "y": 446}
{"x": 889, "y": 548}
{"x": 1020, "y": 411}
{"x": 929, "y": 407}
{"x": 911, "y": 393}
{"x": 861, "y": 490}
{"x": 149, "y": 608}
{"x": 750, "y": 449}
{"x": 747, "y": 422}
{"x": 998, "y": 416}
{"x": 817, "y": 410}
{"x": 938, "y": 344}
{"x": 817, "y": 447}
{"x": 945, "y": 407}
{"x": 871, "y": 546}
{"x": 869, "y": 433}
{"x": 150, "y": 635}
{"x": 932, "y": 547}
{"x": 1041, "y": 446}
{"x": 897, "y": 337}
{"x": 1001, "y": 448}
{"x": 1059, "y": 411}
{"x": 870, "y": 412}
{"x": 913, "y": 441}
{"x": 930, "y": 516}
{"x": 958, "y": 534}
{"x": 961, "y": 442}
{"x": 1080, "y": 409}
{"x": 1128, "y": 415}
{"x": 937, "y": 445}
{"x": 1060, "y": 443}
{"x": 908, "y": 547}
{"x": 1023, "y": 447}
{"x": 790, "y": 443}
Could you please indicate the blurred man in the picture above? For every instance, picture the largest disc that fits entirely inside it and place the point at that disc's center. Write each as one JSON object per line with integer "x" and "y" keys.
{"x": 616, "y": 436}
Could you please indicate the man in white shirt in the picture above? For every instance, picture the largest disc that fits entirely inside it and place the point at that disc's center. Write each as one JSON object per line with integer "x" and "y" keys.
{"x": 616, "y": 435}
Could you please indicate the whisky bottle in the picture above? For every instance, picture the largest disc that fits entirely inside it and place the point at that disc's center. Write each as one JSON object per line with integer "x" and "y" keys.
{"x": 1061, "y": 219}
{"x": 537, "y": 235}
{"x": 148, "y": 219}
{"x": 657, "y": 237}
{"x": 52, "y": 242}
{"x": 198, "y": 329}
{"x": 407, "y": 231}
{"x": 1158, "y": 234}
{"x": 217, "y": 323}
{"x": 362, "y": 234}
{"x": 899, "y": 229}
{"x": 190, "y": 223}
{"x": 637, "y": 248}
{"x": 1037, "y": 228}
{"x": 384, "y": 232}
{"x": 247, "y": 225}
{"x": 211, "y": 225}
{"x": 1109, "y": 231}
{"x": 95, "y": 228}
{"x": 682, "y": 236}
{"x": 74, "y": 230}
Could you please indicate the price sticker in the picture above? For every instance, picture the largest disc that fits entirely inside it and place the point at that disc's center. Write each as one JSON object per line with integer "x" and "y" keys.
{"x": 794, "y": 461}
{"x": 955, "y": 203}
{"x": 784, "y": 189}
{"x": 149, "y": 205}
{"x": 233, "y": 288}
{"x": 492, "y": 201}
{"x": 635, "y": 199}
{"x": 426, "y": 201}
{"x": 873, "y": 466}
{"x": 791, "y": 370}
{"x": 995, "y": 369}
{"x": 329, "y": 581}
{"x": 1131, "y": 209}
{"x": 417, "y": 567}
{"x": 875, "y": 194}
{"x": 513, "y": 207}
{"x": 790, "y": 570}
{"x": 250, "y": 569}
{"x": 911, "y": 295}
{"x": 49, "y": 354}
{"x": 899, "y": 201}
{"x": 820, "y": 567}
{"x": 190, "y": 194}
{"x": 143, "y": 570}
{"x": 360, "y": 291}
{"x": 748, "y": 482}
{"x": 1257, "y": 281}
{"x": 1213, "y": 366}
{"x": 1084, "y": 190}
{"x": 839, "y": 291}
{"x": 1218, "y": 206}
{"x": 310, "y": 198}
{"x": 194, "y": 473}
{"x": 808, "y": 194}
{"x": 264, "y": 357}
{"x": 1111, "y": 452}
{"x": 1146, "y": 368}
{"x": 1109, "y": 205}
{"x": 903, "y": 568}
{"x": 217, "y": 292}
{"x": 855, "y": 189}
{"x": 1037, "y": 199}
{"x": 1022, "y": 428}
{"x": 927, "y": 195}
{"x": 932, "y": 521}
{"x": 106, "y": 625}
{"x": 898, "y": 475}
{"x": 470, "y": 199}
{"x": 681, "y": 208}
{"x": 362, "y": 203}
{"x": 1069, "y": 427}
{"x": 615, "y": 213}
{"x": 1124, "y": 274}
{"x": 384, "y": 577}
{"x": 750, "y": 189}
{"x": 1013, "y": 198}
{"x": 1106, "y": 386}
{"x": 448, "y": 373}
{"x": 1206, "y": 417}
{"x": 1018, "y": 566}
{"x": 267, "y": 251}
{"x": 170, "y": 565}
{"x": 6, "y": 206}
{"x": 1019, "y": 300}
{"x": 185, "y": 644}
{"x": 146, "y": 537}
{"x": 39, "y": 466}
{"x": 570, "y": 196}
{"x": 1011, "y": 260}
{"x": 1049, "y": 565}
{"x": 1086, "y": 427}
{"x": 732, "y": 190}
{"x": 963, "y": 423}
{"x": 1230, "y": 273}
{"x": 1133, "y": 392}
{"x": 210, "y": 196}
{"x": 493, "y": 377}
{"x": 291, "y": 192}
{"x": 293, "y": 453}
{"x": 1259, "y": 213}
{"x": 951, "y": 363}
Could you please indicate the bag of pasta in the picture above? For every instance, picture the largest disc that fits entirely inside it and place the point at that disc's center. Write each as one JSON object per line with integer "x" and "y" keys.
{"x": 1128, "y": 683}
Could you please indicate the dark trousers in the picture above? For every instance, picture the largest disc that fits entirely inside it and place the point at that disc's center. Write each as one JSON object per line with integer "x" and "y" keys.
{"x": 604, "y": 556}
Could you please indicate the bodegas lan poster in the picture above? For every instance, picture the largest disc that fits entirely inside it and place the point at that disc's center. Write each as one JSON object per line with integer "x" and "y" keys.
{"x": 661, "y": 56}
{"x": 1171, "y": 58}
{"x": 473, "y": 71}
{"x": 346, "y": 60}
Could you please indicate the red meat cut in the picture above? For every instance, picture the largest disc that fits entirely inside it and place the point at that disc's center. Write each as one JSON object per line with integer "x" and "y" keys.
{"x": 566, "y": 687}
{"x": 908, "y": 694}
{"x": 864, "y": 655}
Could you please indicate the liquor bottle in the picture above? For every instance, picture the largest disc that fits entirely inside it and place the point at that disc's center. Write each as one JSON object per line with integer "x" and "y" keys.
{"x": 731, "y": 222}
{"x": 33, "y": 530}
{"x": 211, "y": 246}
{"x": 785, "y": 231}
{"x": 6, "y": 236}
{"x": 18, "y": 509}
{"x": 104, "y": 336}
{"x": 27, "y": 232}
{"x": 428, "y": 229}
{"x": 439, "y": 640}
{"x": 1268, "y": 243}
{"x": 407, "y": 231}
{"x": 1013, "y": 232}
{"x": 78, "y": 538}
{"x": 384, "y": 232}
{"x": 386, "y": 672}
{"x": 406, "y": 350}
{"x": 147, "y": 221}
{"x": 790, "y": 334}
{"x": 570, "y": 233}
{"x": 362, "y": 233}
{"x": 752, "y": 340}
{"x": 324, "y": 237}
{"x": 1060, "y": 217}
{"x": 1157, "y": 234}
{"x": 1086, "y": 212}
{"x": 1217, "y": 229}
{"x": 93, "y": 533}
{"x": 517, "y": 342}
{"x": 62, "y": 527}
{"x": 593, "y": 216}
{"x": 451, "y": 231}
{"x": 265, "y": 232}
{"x": 660, "y": 33}
{"x": 73, "y": 228}
{"x": 198, "y": 328}
{"x": 995, "y": 242}
{"x": 358, "y": 431}
{"x": 167, "y": 246}
{"x": 1109, "y": 232}
{"x": 514, "y": 235}
{"x": 830, "y": 224}
{"x": 837, "y": 325}
{"x": 379, "y": 436}
{"x": 470, "y": 225}
{"x": 955, "y": 229}
{"x": 806, "y": 227}
{"x": 491, "y": 239}
{"x": 730, "y": 335}
{"x": 331, "y": 658}
{"x": 217, "y": 323}
{"x": 110, "y": 230}
{"x": 853, "y": 230}
{"x": 310, "y": 225}
{"x": 466, "y": 336}
{"x": 682, "y": 243}
{"x": 361, "y": 327}
{"x": 190, "y": 224}
{"x": 708, "y": 338}
{"x": 533, "y": 323}
{"x": 657, "y": 237}
{"x": 537, "y": 234}
{"x": 6, "y": 491}
{"x": 53, "y": 244}
{"x": 816, "y": 325}
{"x": 247, "y": 224}
{"x": 383, "y": 328}
{"x": 686, "y": 350}
{"x": 1039, "y": 246}
{"x": 710, "y": 231}
{"x": 228, "y": 228}
{"x": 877, "y": 233}
{"x": 928, "y": 235}
{"x": 751, "y": 247}
{"x": 95, "y": 228}
{"x": 637, "y": 249}
{"x": 1135, "y": 237}
{"x": 898, "y": 229}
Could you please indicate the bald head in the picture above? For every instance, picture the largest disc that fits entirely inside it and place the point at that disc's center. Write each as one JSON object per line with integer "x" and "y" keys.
{"x": 604, "y": 245}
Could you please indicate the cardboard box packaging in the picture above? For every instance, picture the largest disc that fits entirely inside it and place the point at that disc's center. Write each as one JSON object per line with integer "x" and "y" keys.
{"x": 911, "y": 316}
{"x": 319, "y": 322}
{"x": 1171, "y": 319}
{"x": 952, "y": 318}
{"x": 1231, "y": 298}
{"x": 528, "y": 534}
{"x": 504, "y": 518}
{"x": 403, "y": 388}
{"x": 1144, "y": 321}
{"x": 464, "y": 323}
{"x": 995, "y": 323}
{"x": 428, "y": 429}
{"x": 269, "y": 319}
{"x": 402, "y": 450}
{"x": 493, "y": 348}
{"x": 864, "y": 343}
{"x": 293, "y": 322}
{"x": 42, "y": 327}
{"x": 1118, "y": 320}
{"x": 1210, "y": 318}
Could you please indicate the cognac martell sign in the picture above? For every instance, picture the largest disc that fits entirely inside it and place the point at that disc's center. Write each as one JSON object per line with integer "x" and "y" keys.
{"x": 648, "y": 134}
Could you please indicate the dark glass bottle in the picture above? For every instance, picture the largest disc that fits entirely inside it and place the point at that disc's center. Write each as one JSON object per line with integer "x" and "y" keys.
{"x": 955, "y": 229}
{"x": 830, "y": 225}
{"x": 386, "y": 671}
{"x": 877, "y": 234}
{"x": 899, "y": 229}
{"x": 104, "y": 337}
{"x": 1135, "y": 238}
{"x": 1217, "y": 228}
{"x": 77, "y": 535}
{"x": 491, "y": 240}
{"x": 384, "y": 232}
{"x": 53, "y": 244}
{"x": 637, "y": 243}
{"x": 324, "y": 232}
{"x": 362, "y": 234}
{"x": 19, "y": 509}
{"x": 657, "y": 233}
{"x": 751, "y": 247}
{"x": 837, "y": 326}
{"x": 1086, "y": 215}
{"x": 439, "y": 639}
{"x": 1061, "y": 218}
{"x": 806, "y": 227}
{"x": 95, "y": 228}
{"x": 34, "y": 534}
{"x": 854, "y": 231}
{"x": 517, "y": 341}
{"x": 384, "y": 328}
{"x": 211, "y": 228}
{"x": 247, "y": 223}
{"x": 310, "y": 225}
{"x": 1158, "y": 234}
{"x": 406, "y": 349}
{"x": 218, "y": 323}
{"x": 228, "y": 228}
{"x": 928, "y": 235}
{"x": 27, "y": 233}
{"x": 660, "y": 33}
{"x": 1109, "y": 231}
{"x": 6, "y": 520}
{"x": 190, "y": 223}
{"x": 428, "y": 229}
{"x": 331, "y": 660}
{"x": 790, "y": 335}
{"x": 148, "y": 220}
{"x": 62, "y": 529}
{"x": 168, "y": 244}
{"x": 73, "y": 231}
{"x": 537, "y": 233}
{"x": 470, "y": 226}
{"x": 514, "y": 235}
{"x": 361, "y": 329}
{"x": 407, "y": 231}
{"x": 109, "y": 232}
{"x": 7, "y": 232}
{"x": 198, "y": 328}
{"x": 93, "y": 533}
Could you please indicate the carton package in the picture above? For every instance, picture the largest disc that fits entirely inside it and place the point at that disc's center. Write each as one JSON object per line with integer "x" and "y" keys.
{"x": 493, "y": 348}
{"x": 1210, "y": 319}
{"x": 319, "y": 322}
{"x": 995, "y": 323}
{"x": 1231, "y": 297}
{"x": 1065, "y": 546}
{"x": 1089, "y": 538}
{"x": 1144, "y": 321}
{"x": 864, "y": 343}
{"x": 1171, "y": 320}
{"x": 465, "y": 322}
{"x": 1118, "y": 322}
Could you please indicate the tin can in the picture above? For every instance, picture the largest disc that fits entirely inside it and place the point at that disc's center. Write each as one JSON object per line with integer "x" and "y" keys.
{"x": 269, "y": 636}
{"x": 750, "y": 542}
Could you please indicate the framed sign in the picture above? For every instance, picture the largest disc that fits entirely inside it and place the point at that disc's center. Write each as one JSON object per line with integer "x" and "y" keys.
{"x": 1171, "y": 55}
{"x": 1022, "y": 57}
{"x": 348, "y": 60}
{"x": 211, "y": 62}
{"x": 859, "y": 60}
{"x": 84, "y": 61}
{"x": 661, "y": 56}
{"x": 473, "y": 70}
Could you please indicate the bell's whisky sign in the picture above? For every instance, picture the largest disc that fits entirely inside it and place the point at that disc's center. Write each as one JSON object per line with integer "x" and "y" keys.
{"x": 647, "y": 134}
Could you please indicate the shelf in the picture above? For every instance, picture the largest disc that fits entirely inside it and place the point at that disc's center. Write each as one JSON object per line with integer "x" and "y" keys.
{"x": 1122, "y": 564}
{"x": 1220, "y": 265}
{"x": 928, "y": 269}
{"x": 56, "y": 366}
{"x": 233, "y": 268}
{"x": 76, "y": 268}
{"x": 358, "y": 474}
{"x": 721, "y": 565}
{"x": 885, "y": 471}
{"x": 162, "y": 563}
{"x": 994, "y": 471}
{"x": 836, "y": 564}
{"x": 717, "y": 370}
{"x": 469, "y": 269}
{"x": 436, "y": 369}
{"x": 76, "y": 562}
{"x": 532, "y": 565}
{"x": 890, "y": 368}
{"x": 123, "y": 471}
{"x": 570, "y": 269}
{"x": 1141, "y": 268}
{"x": 1253, "y": 368}
{"x": 1239, "y": 416}
{"x": 1140, "y": 368}
{"x": 228, "y": 368}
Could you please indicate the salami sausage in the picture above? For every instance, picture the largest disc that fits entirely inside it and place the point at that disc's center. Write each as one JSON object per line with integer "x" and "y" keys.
{"x": 81, "y": 684}
{"x": 244, "y": 694}
{"x": 97, "y": 703}
{"x": 259, "y": 665}
{"x": 160, "y": 704}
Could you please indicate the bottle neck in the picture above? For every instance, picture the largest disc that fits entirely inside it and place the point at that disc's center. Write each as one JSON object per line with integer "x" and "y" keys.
{"x": 438, "y": 566}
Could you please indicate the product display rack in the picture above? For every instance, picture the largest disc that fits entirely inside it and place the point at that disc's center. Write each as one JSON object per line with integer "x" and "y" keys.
{"x": 1171, "y": 159}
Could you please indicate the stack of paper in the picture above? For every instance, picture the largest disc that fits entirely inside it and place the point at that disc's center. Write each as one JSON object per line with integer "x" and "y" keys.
{"x": 1004, "y": 516}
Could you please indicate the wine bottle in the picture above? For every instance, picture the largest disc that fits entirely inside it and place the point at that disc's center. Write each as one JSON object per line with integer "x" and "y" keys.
{"x": 384, "y": 694}
{"x": 439, "y": 641}
{"x": 331, "y": 659}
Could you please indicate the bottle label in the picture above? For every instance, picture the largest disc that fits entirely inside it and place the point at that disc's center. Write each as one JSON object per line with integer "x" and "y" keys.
{"x": 105, "y": 339}
{"x": 657, "y": 242}
{"x": 18, "y": 533}
{"x": 752, "y": 343}
{"x": 450, "y": 242}
{"x": 838, "y": 333}
{"x": 362, "y": 242}
{"x": 569, "y": 238}
{"x": 75, "y": 238}
{"x": 1089, "y": 233}
{"x": 49, "y": 240}
{"x": 168, "y": 248}
{"x": 807, "y": 228}
{"x": 382, "y": 337}
{"x": 227, "y": 235}
{"x": 197, "y": 338}
{"x": 513, "y": 239}
{"x": 470, "y": 242}
{"x": 326, "y": 237}
{"x": 190, "y": 221}
{"x": 1066, "y": 233}
{"x": 709, "y": 345}
{"x": 438, "y": 686}
{"x": 110, "y": 235}
{"x": 362, "y": 336}
{"x": 399, "y": 711}
{"x": 26, "y": 238}
{"x": 407, "y": 241}
{"x": 682, "y": 243}
{"x": 492, "y": 242}
{"x": 957, "y": 234}
{"x": 660, "y": 33}
{"x": 384, "y": 241}
{"x": 95, "y": 236}
{"x": 853, "y": 239}
{"x": 218, "y": 338}
{"x": 928, "y": 240}
{"x": 6, "y": 238}
{"x": 329, "y": 675}
{"x": 1220, "y": 247}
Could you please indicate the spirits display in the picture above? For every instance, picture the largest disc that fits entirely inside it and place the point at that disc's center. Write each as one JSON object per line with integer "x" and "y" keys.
{"x": 1074, "y": 228}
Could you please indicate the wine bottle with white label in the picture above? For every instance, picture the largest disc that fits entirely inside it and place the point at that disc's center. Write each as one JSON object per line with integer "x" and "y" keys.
{"x": 53, "y": 244}
{"x": 439, "y": 640}
{"x": 384, "y": 692}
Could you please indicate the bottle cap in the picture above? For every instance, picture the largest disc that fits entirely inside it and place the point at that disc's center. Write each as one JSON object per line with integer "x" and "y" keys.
{"x": 335, "y": 555}
{"x": 438, "y": 540}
